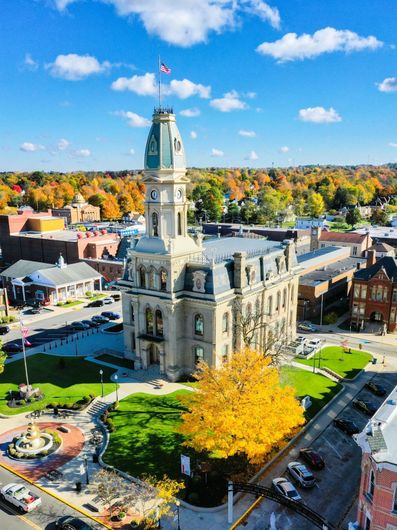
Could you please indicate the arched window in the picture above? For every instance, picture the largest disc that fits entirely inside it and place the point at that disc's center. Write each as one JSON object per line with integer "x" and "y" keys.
{"x": 152, "y": 279}
{"x": 163, "y": 280}
{"x": 225, "y": 322}
{"x": 142, "y": 277}
{"x": 155, "y": 224}
{"x": 199, "y": 325}
{"x": 132, "y": 314}
{"x": 284, "y": 297}
{"x": 159, "y": 323}
{"x": 179, "y": 218}
{"x": 270, "y": 305}
{"x": 278, "y": 301}
{"x": 249, "y": 309}
{"x": 149, "y": 321}
{"x": 198, "y": 354}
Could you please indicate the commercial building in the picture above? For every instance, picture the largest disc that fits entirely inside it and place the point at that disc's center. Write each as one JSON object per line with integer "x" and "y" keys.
{"x": 377, "y": 502}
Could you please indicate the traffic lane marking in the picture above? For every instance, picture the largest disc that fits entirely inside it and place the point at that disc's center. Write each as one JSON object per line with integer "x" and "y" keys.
{"x": 333, "y": 448}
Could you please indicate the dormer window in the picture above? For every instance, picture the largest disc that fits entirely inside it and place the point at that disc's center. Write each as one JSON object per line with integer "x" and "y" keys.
{"x": 153, "y": 146}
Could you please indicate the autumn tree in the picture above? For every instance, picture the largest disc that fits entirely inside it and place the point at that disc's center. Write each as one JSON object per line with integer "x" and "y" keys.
{"x": 353, "y": 217}
{"x": 110, "y": 208}
{"x": 315, "y": 204}
{"x": 240, "y": 408}
{"x": 3, "y": 357}
{"x": 379, "y": 217}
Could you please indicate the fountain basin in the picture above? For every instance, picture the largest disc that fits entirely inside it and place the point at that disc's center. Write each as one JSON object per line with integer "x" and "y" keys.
{"x": 44, "y": 443}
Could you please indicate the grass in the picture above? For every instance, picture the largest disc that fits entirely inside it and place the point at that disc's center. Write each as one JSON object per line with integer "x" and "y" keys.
{"x": 96, "y": 297}
{"x": 78, "y": 378}
{"x": 347, "y": 365}
{"x": 70, "y": 304}
{"x": 319, "y": 388}
{"x": 119, "y": 361}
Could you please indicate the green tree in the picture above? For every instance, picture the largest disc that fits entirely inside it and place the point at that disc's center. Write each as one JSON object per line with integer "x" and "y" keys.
{"x": 315, "y": 204}
{"x": 3, "y": 357}
{"x": 353, "y": 217}
{"x": 379, "y": 217}
{"x": 209, "y": 199}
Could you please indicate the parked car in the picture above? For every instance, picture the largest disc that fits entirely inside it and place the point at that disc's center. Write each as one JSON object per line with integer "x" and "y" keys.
{"x": 72, "y": 523}
{"x": 116, "y": 297}
{"x": 96, "y": 303}
{"x": 20, "y": 496}
{"x": 12, "y": 347}
{"x": 4, "y": 330}
{"x": 108, "y": 300}
{"x": 367, "y": 407}
{"x": 110, "y": 315}
{"x": 300, "y": 339}
{"x": 286, "y": 488}
{"x": 312, "y": 457}
{"x": 376, "y": 388}
{"x": 301, "y": 474}
{"x": 306, "y": 327}
{"x": 347, "y": 426}
{"x": 35, "y": 310}
{"x": 100, "y": 319}
{"x": 90, "y": 323}
{"x": 314, "y": 343}
{"x": 79, "y": 326}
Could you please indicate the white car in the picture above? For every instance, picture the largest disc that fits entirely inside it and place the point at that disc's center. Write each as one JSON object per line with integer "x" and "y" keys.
{"x": 301, "y": 340}
{"x": 286, "y": 488}
{"x": 301, "y": 474}
{"x": 20, "y": 496}
{"x": 108, "y": 300}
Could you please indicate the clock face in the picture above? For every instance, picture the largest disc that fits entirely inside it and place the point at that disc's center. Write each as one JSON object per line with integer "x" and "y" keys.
{"x": 154, "y": 194}
{"x": 178, "y": 194}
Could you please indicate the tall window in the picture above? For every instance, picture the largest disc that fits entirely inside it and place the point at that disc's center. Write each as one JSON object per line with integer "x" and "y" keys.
{"x": 394, "y": 300}
{"x": 199, "y": 325}
{"x": 284, "y": 297}
{"x": 155, "y": 224}
{"x": 179, "y": 218}
{"x": 198, "y": 354}
{"x": 292, "y": 293}
{"x": 152, "y": 278}
{"x": 356, "y": 291}
{"x": 371, "y": 484}
{"x": 270, "y": 305}
{"x": 225, "y": 322}
{"x": 159, "y": 323}
{"x": 149, "y": 321}
{"x": 142, "y": 277}
{"x": 363, "y": 291}
{"x": 394, "y": 507}
{"x": 278, "y": 301}
{"x": 163, "y": 280}
{"x": 132, "y": 314}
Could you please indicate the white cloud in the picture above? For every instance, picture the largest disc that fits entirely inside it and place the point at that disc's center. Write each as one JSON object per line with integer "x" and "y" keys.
{"x": 229, "y": 102}
{"x": 252, "y": 156}
{"x": 185, "y": 88}
{"x": 75, "y": 67}
{"x": 319, "y": 115}
{"x": 284, "y": 149}
{"x": 133, "y": 119}
{"x": 30, "y": 63}
{"x": 292, "y": 47}
{"x": 190, "y": 113}
{"x": 392, "y": 144}
{"x": 250, "y": 95}
{"x": 188, "y": 22}
{"x": 29, "y": 147}
{"x": 193, "y": 135}
{"x": 248, "y": 134}
{"x": 143, "y": 85}
{"x": 63, "y": 144}
{"x": 216, "y": 152}
{"x": 131, "y": 151}
{"x": 81, "y": 153}
{"x": 388, "y": 85}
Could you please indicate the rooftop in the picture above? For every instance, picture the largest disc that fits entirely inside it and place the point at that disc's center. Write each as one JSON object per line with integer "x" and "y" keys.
{"x": 343, "y": 237}
{"x": 68, "y": 235}
{"x": 388, "y": 263}
{"x": 379, "y": 232}
{"x": 225, "y": 247}
{"x": 331, "y": 271}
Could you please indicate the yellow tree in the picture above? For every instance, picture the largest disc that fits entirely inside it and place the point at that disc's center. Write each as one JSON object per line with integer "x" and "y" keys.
{"x": 315, "y": 204}
{"x": 240, "y": 408}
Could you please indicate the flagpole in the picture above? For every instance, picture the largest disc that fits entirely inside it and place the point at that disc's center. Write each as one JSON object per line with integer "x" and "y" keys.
{"x": 24, "y": 350}
{"x": 159, "y": 69}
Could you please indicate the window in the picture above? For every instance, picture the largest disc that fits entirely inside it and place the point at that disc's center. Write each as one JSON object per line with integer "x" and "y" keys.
{"x": 394, "y": 296}
{"x": 367, "y": 523}
{"x": 199, "y": 325}
{"x": 155, "y": 224}
{"x": 292, "y": 293}
{"x": 278, "y": 301}
{"x": 379, "y": 292}
{"x": 249, "y": 310}
{"x": 385, "y": 293}
{"x": 152, "y": 279}
{"x": 159, "y": 323}
{"x": 225, "y": 353}
{"x": 393, "y": 314}
{"x": 132, "y": 315}
{"x": 198, "y": 354}
{"x": 284, "y": 297}
{"x": 225, "y": 323}
{"x": 142, "y": 277}
{"x": 371, "y": 484}
{"x": 354, "y": 251}
{"x": 270, "y": 305}
{"x": 394, "y": 507}
{"x": 163, "y": 280}
{"x": 356, "y": 291}
{"x": 179, "y": 219}
{"x": 149, "y": 321}
{"x": 363, "y": 291}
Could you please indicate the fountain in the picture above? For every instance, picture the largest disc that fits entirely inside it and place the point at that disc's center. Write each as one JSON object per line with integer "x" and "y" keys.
{"x": 33, "y": 441}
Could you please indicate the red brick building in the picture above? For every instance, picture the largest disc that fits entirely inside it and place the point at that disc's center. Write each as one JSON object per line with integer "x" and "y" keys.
{"x": 377, "y": 507}
{"x": 374, "y": 294}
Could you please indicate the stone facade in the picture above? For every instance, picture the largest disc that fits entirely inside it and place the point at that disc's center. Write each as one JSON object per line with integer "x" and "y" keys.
{"x": 185, "y": 300}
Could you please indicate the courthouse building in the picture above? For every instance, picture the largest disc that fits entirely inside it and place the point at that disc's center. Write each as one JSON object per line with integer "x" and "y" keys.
{"x": 185, "y": 299}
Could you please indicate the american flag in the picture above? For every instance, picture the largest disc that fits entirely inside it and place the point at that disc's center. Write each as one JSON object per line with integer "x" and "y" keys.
{"x": 25, "y": 331}
{"x": 165, "y": 69}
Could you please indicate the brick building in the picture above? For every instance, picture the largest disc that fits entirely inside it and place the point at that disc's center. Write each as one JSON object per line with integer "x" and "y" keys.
{"x": 374, "y": 293}
{"x": 357, "y": 243}
{"x": 377, "y": 506}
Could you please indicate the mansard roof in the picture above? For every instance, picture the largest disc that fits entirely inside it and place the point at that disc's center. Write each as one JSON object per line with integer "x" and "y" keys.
{"x": 388, "y": 263}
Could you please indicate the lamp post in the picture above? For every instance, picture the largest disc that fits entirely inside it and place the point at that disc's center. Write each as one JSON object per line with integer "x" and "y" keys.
{"x": 24, "y": 332}
{"x": 178, "y": 505}
{"x": 117, "y": 393}
{"x": 87, "y": 478}
{"x": 101, "y": 374}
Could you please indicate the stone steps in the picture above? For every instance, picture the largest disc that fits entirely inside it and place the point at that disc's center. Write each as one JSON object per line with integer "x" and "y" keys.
{"x": 97, "y": 408}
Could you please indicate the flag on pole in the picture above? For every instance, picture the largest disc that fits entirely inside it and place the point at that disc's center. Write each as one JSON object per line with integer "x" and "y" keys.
{"x": 164, "y": 68}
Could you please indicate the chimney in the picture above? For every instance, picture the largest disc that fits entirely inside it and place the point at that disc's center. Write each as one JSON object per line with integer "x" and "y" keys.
{"x": 240, "y": 278}
{"x": 371, "y": 258}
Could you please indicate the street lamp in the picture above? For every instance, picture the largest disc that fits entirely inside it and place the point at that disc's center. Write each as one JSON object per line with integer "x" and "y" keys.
{"x": 101, "y": 374}
{"x": 87, "y": 478}
{"x": 178, "y": 505}
{"x": 115, "y": 382}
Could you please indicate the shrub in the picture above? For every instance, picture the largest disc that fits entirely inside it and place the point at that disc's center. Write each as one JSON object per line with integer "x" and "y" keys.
{"x": 110, "y": 425}
{"x": 44, "y": 453}
{"x": 22, "y": 402}
{"x": 330, "y": 318}
{"x": 18, "y": 454}
{"x": 92, "y": 396}
{"x": 59, "y": 304}
{"x": 88, "y": 294}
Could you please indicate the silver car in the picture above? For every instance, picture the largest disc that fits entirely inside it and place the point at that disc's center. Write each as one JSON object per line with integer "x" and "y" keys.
{"x": 286, "y": 488}
{"x": 301, "y": 474}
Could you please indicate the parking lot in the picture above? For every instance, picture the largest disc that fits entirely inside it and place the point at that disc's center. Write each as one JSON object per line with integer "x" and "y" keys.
{"x": 337, "y": 485}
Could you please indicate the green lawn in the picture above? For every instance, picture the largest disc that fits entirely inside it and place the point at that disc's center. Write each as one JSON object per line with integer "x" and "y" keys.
{"x": 76, "y": 379}
{"x": 319, "y": 388}
{"x": 119, "y": 361}
{"x": 70, "y": 304}
{"x": 347, "y": 365}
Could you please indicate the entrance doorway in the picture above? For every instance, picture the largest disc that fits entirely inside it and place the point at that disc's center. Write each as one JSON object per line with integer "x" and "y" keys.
{"x": 376, "y": 316}
{"x": 154, "y": 354}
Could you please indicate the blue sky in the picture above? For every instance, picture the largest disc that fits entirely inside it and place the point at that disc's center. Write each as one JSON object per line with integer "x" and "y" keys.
{"x": 253, "y": 82}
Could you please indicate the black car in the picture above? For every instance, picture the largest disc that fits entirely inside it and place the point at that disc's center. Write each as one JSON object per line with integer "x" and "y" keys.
{"x": 79, "y": 326}
{"x": 4, "y": 330}
{"x": 72, "y": 523}
{"x": 376, "y": 388}
{"x": 96, "y": 303}
{"x": 12, "y": 347}
{"x": 347, "y": 426}
{"x": 110, "y": 315}
{"x": 367, "y": 407}
{"x": 100, "y": 319}
{"x": 311, "y": 457}
{"x": 90, "y": 323}
{"x": 116, "y": 297}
